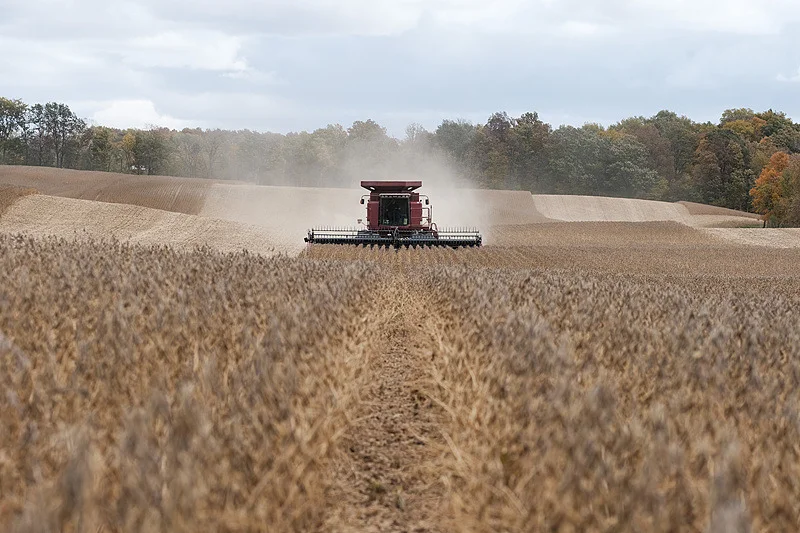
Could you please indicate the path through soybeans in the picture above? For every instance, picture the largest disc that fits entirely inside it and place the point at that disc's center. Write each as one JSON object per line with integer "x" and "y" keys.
{"x": 389, "y": 477}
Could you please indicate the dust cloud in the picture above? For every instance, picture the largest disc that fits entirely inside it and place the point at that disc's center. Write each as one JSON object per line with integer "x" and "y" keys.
{"x": 292, "y": 211}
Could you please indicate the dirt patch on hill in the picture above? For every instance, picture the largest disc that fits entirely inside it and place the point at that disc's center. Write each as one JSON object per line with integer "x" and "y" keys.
{"x": 180, "y": 195}
{"x": 500, "y": 208}
{"x": 602, "y": 209}
{"x": 703, "y": 209}
{"x": 11, "y": 193}
{"x": 42, "y": 215}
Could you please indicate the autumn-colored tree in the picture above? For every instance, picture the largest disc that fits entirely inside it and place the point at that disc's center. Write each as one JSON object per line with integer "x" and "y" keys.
{"x": 128, "y": 147}
{"x": 751, "y": 130}
{"x": 768, "y": 194}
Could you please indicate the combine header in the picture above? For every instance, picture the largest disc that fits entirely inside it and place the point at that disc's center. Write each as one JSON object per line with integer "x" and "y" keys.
{"x": 397, "y": 216}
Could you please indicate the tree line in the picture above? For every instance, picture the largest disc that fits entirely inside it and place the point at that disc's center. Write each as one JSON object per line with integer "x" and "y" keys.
{"x": 747, "y": 161}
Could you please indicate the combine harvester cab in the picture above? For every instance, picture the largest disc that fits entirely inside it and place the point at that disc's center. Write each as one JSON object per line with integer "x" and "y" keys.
{"x": 397, "y": 216}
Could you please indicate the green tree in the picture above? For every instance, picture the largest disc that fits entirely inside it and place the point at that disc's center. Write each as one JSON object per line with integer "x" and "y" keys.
{"x": 127, "y": 146}
{"x": 188, "y": 153}
{"x": 367, "y": 131}
{"x": 683, "y": 136}
{"x": 419, "y": 155}
{"x": 721, "y": 171}
{"x": 329, "y": 144}
{"x": 258, "y": 157}
{"x": 791, "y": 185}
{"x": 490, "y": 152}
{"x": 37, "y": 138}
{"x": 592, "y": 161}
{"x": 626, "y": 171}
{"x": 62, "y": 127}
{"x": 455, "y": 137}
{"x": 781, "y": 130}
{"x": 660, "y": 156}
{"x": 530, "y": 142}
{"x": 575, "y": 163}
{"x": 146, "y": 151}
{"x": 152, "y": 150}
{"x": 12, "y": 123}
{"x": 102, "y": 148}
{"x": 751, "y": 130}
{"x": 456, "y": 140}
{"x": 733, "y": 115}
{"x": 214, "y": 143}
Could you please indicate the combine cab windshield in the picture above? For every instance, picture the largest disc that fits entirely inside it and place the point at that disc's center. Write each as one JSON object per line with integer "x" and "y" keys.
{"x": 394, "y": 211}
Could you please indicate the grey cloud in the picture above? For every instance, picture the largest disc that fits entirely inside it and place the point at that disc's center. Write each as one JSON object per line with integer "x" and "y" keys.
{"x": 288, "y": 66}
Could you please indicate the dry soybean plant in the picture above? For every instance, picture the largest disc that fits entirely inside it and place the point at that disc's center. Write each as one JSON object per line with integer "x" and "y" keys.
{"x": 600, "y": 403}
{"x": 608, "y": 385}
{"x": 145, "y": 389}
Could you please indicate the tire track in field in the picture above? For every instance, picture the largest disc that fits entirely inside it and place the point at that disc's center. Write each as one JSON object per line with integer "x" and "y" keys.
{"x": 387, "y": 478}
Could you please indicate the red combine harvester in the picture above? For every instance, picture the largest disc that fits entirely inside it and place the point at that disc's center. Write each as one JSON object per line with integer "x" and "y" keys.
{"x": 397, "y": 216}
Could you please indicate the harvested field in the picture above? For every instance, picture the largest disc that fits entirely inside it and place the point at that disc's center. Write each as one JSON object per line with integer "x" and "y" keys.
{"x": 703, "y": 209}
{"x": 571, "y": 376}
{"x": 602, "y": 209}
{"x": 495, "y": 208}
{"x": 281, "y": 207}
{"x": 180, "y": 195}
{"x": 10, "y": 194}
{"x": 41, "y": 215}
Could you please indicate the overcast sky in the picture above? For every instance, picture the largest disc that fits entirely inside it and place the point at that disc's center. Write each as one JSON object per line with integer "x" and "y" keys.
{"x": 281, "y": 66}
